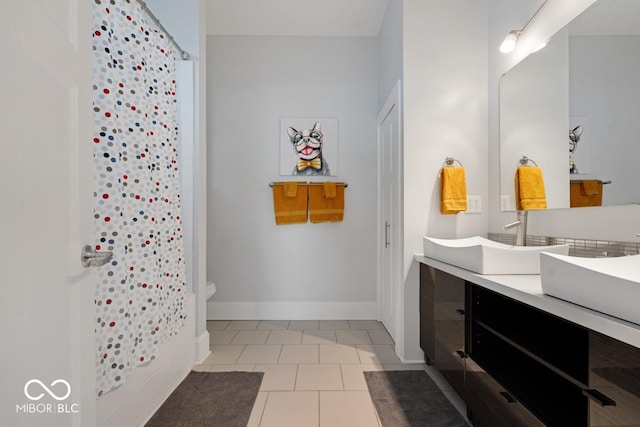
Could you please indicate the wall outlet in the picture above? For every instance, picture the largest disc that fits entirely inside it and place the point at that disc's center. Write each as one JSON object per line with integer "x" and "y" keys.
{"x": 474, "y": 204}
{"x": 505, "y": 203}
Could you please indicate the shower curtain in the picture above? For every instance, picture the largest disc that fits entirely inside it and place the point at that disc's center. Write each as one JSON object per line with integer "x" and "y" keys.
{"x": 140, "y": 299}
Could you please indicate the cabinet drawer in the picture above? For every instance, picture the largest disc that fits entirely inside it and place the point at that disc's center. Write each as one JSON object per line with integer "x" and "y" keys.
{"x": 489, "y": 405}
{"x": 450, "y": 356}
{"x": 442, "y": 325}
{"x": 552, "y": 398}
{"x": 557, "y": 341}
{"x": 614, "y": 371}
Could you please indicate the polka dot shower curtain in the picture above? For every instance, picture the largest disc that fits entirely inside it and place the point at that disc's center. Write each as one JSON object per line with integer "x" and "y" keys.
{"x": 140, "y": 294}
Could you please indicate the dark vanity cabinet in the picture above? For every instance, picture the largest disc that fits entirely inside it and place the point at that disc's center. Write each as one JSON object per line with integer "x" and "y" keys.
{"x": 516, "y": 365}
{"x": 539, "y": 359}
{"x": 489, "y": 404}
{"x": 614, "y": 370}
{"x": 427, "y": 313}
{"x": 442, "y": 324}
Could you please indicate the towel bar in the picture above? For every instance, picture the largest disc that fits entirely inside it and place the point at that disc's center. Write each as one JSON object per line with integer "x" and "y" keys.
{"x": 271, "y": 184}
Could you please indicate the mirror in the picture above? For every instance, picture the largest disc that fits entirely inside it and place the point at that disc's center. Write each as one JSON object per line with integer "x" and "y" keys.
{"x": 587, "y": 79}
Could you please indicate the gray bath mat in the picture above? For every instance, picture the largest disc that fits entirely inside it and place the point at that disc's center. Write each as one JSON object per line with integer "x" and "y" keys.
{"x": 211, "y": 399}
{"x": 410, "y": 399}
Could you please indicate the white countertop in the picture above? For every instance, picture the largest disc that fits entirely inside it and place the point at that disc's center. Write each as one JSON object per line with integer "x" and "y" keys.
{"x": 526, "y": 288}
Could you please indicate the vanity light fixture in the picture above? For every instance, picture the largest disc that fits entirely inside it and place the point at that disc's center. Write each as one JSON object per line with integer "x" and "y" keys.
{"x": 509, "y": 42}
{"x": 540, "y": 46}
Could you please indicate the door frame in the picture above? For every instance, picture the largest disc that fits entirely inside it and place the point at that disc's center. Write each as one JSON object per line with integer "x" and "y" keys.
{"x": 394, "y": 99}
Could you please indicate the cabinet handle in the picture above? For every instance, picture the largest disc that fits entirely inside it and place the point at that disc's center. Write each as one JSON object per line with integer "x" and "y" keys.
{"x": 598, "y": 397}
{"x": 460, "y": 312}
{"x": 461, "y": 354}
{"x": 508, "y": 397}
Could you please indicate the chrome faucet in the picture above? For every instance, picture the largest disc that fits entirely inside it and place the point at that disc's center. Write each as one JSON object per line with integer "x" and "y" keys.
{"x": 521, "y": 232}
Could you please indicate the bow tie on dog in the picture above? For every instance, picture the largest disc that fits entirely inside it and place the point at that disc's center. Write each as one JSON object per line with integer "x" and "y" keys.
{"x": 303, "y": 164}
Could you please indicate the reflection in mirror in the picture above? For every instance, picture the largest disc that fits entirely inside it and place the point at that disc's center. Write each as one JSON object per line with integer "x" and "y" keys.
{"x": 587, "y": 80}
{"x": 534, "y": 116}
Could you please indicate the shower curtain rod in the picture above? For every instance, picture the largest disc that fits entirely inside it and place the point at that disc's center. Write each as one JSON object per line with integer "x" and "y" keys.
{"x": 184, "y": 55}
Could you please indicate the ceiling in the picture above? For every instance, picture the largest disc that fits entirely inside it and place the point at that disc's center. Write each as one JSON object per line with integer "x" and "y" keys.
{"x": 357, "y": 18}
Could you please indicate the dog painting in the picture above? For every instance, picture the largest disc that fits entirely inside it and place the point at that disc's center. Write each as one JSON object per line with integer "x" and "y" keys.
{"x": 306, "y": 147}
{"x": 307, "y": 144}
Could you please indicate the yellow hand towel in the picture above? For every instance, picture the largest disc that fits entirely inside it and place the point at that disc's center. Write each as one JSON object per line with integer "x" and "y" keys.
{"x": 530, "y": 193}
{"x": 585, "y": 193}
{"x": 323, "y": 207}
{"x": 329, "y": 190}
{"x": 290, "y": 189}
{"x": 453, "y": 190}
{"x": 591, "y": 187}
{"x": 290, "y": 206}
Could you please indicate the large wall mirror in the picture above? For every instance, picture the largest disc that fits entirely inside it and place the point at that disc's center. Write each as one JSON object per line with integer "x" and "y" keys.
{"x": 574, "y": 108}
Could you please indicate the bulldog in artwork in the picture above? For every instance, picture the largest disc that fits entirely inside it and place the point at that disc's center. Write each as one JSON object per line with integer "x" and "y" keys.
{"x": 308, "y": 146}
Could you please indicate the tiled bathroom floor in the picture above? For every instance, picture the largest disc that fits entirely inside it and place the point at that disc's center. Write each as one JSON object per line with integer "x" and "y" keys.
{"x": 313, "y": 368}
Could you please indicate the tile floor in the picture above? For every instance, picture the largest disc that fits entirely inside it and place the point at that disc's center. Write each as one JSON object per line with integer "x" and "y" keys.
{"x": 313, "y": 368}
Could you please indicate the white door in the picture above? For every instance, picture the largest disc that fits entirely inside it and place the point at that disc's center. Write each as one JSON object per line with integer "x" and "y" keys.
{"x": 389, "y": 212}
{"x": 46, "y": 308}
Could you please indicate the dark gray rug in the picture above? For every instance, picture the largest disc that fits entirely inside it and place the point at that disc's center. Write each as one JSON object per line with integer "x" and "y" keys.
{"x": 211, "y": 399}
{"x": 410, "y": 399}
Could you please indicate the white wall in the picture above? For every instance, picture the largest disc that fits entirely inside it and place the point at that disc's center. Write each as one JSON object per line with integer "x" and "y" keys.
{"x": 445, "y": 114}
{"x": 615, "y": 223}
{"x": 389, "y": 50}
{"x": 303, "y": 270}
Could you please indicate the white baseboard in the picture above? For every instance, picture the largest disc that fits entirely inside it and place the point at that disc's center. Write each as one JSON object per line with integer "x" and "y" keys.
{"x": 291, "y": 310}
{"x": 412, "y": 361}
{"x": 201, "y": 348}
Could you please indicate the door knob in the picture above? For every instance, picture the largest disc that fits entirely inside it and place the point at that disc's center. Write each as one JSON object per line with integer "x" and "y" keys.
{"x": 92, "y": 258}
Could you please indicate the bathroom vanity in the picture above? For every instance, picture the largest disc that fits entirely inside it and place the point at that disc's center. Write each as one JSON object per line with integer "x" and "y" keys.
{"x": 518, "y": 357}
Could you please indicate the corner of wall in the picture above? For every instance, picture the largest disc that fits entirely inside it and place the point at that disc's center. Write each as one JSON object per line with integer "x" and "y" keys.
{"x": 201, "y": 348}
{"x": 445, "y": 114}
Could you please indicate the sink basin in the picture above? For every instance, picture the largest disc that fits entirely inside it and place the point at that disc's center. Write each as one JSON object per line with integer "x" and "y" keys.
{"x": 485, "y": 256}
{"x": 608, "y": 285}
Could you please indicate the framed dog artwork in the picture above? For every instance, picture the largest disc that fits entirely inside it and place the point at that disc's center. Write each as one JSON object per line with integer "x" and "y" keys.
{"x": 309, "y": 146}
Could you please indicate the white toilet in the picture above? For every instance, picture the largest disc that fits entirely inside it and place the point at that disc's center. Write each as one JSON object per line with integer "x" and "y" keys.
{"x": 211, "y": 290}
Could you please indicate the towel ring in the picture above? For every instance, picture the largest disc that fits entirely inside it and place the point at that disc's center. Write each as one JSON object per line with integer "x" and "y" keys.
{"x": 524, "y": 160}
{"x": 449, "y": 161}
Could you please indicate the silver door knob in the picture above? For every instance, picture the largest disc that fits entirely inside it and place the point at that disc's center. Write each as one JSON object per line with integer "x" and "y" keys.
{"x": 91, "y": 258}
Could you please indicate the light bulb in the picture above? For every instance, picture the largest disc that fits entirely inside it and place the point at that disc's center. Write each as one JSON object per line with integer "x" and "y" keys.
{"x": 509, "y": 42}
